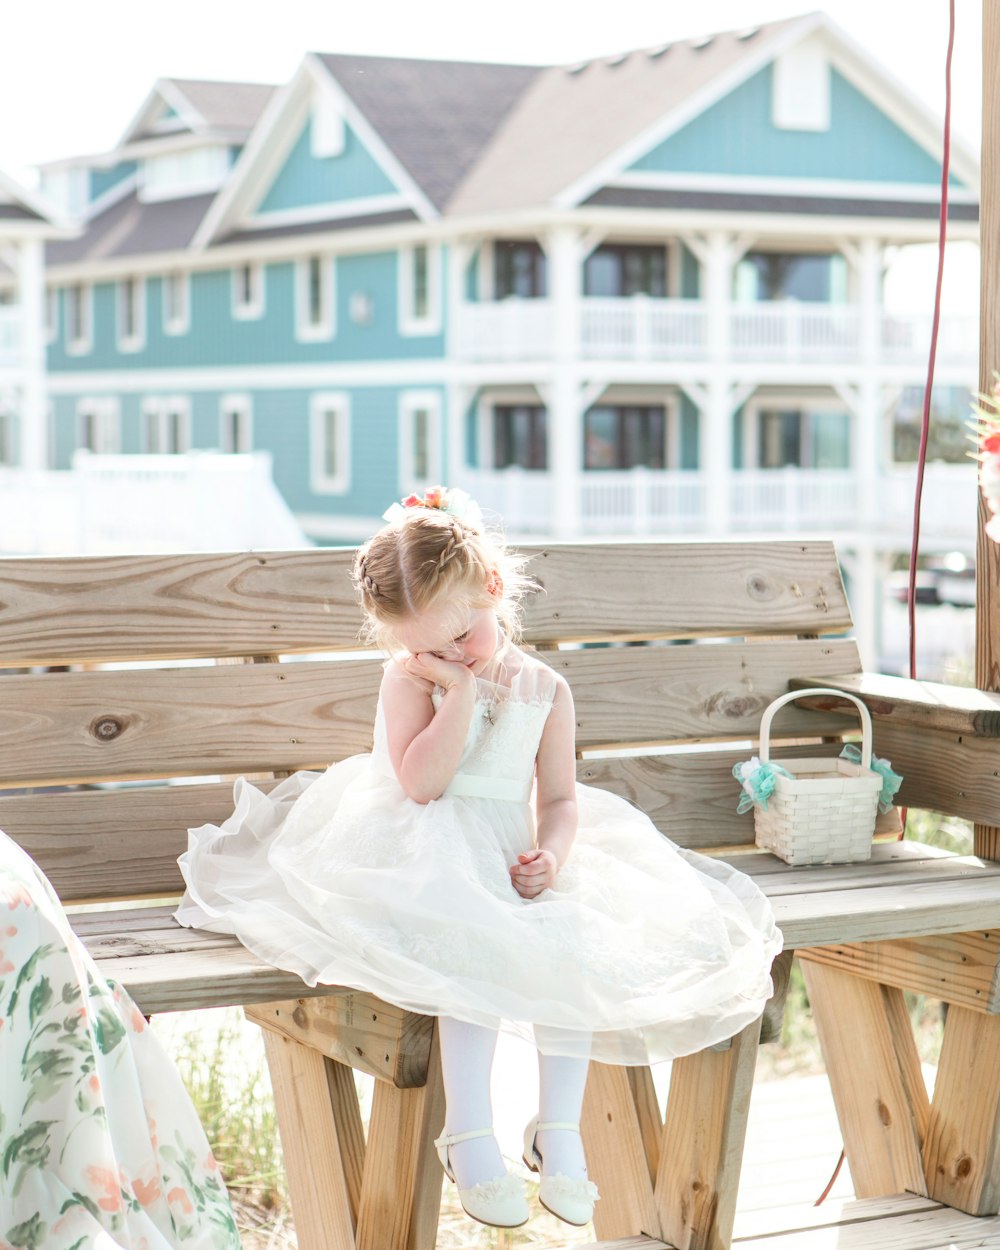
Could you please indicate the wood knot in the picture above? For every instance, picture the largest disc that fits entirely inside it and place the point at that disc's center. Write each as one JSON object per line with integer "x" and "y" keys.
{"x": 106, "y": 728}
{"x": 731, "y": 706}
{"x": 300, "y": 1016}
{"x": 883, "y": 1113}
{"x": 963, "y": 1167}
{"x": 760, "y": 587}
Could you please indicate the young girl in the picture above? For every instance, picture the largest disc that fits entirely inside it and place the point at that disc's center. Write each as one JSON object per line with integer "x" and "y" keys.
{"x": 459, "y": 870}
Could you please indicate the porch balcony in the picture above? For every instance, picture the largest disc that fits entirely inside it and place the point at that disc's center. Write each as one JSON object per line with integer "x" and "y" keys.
{"x": 641, "y": 328}
{"x": 784, "y": 501}
{"x": 11, "y": 337}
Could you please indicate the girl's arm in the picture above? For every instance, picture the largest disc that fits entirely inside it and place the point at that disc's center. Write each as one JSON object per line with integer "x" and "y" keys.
{"x": 425, "y": 748}
{"x": 555, "y": 800}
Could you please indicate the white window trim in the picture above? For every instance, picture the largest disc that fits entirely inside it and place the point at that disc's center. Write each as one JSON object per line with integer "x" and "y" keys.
{"x": 132, "y": 342}
{"x": 319, "y": 404}
{"x": 160, "y": 406}
{"x": 409, "y": 324}
{"x": 305, "y": 330}
{"x": 254, "y": 309}
{"x": 485, "y": 418}
{"x": 409, "y": 403}
{"x": 243, "y": 404}
{"x": 82, "y": 345}
{"x": 792, "y": 401}
{"x": 51, "y": 314}
{"x": 180, "y": 324}
{"x": 105, "y": 411}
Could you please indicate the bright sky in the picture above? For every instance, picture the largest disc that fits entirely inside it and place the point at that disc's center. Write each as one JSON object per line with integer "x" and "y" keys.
{"x": 72, "y": 74}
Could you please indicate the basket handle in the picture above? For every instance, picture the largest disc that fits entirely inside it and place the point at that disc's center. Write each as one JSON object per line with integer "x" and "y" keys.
{"x": 769, "y": 711}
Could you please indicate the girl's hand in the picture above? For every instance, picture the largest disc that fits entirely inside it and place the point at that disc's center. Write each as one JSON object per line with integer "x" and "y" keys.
{"x": 534, "y": 872}
{"x": 429, "y": 670}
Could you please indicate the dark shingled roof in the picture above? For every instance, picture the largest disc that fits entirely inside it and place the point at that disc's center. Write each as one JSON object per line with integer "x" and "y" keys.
{"x": 222, "y": 105}
{"x": 18, "y": 212}
{"x": 131, "y": 228}
{"x": 316, "y": 227}
{"x": 723, "y": 201}
{"x": 436, "y": 117}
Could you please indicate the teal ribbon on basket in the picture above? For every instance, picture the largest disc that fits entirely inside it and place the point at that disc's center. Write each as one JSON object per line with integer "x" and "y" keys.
{"x": 890, "y": 781}
{"x": 758, "y": 782}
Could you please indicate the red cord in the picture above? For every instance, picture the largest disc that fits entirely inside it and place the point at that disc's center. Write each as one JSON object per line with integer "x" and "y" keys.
{"x": 911, "y": 598}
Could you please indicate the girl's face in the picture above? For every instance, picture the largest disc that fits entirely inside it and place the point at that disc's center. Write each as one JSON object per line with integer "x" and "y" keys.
{"x": 458, "y": 635}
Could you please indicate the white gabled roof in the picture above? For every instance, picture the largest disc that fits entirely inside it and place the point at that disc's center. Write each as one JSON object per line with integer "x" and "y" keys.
{"x": 200, "y": 106}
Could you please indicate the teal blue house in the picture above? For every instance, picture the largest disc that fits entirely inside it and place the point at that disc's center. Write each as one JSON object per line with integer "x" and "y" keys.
{"x": 642, "y": 294}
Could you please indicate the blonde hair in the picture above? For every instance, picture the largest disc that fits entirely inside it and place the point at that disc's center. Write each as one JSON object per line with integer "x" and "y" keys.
{"x": 430, "y": 558}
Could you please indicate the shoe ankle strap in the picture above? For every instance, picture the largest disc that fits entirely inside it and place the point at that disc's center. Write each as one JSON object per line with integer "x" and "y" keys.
{"x": 572, "y": 1128}
{"x": 454, "y": 1138}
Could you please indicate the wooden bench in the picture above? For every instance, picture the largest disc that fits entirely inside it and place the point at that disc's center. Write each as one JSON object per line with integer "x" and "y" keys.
{"x": 755, "y": 618}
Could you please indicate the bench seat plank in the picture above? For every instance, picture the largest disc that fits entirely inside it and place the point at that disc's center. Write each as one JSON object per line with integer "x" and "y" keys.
{"x": 166, "y": 967}
{"x": 927, "y": 704}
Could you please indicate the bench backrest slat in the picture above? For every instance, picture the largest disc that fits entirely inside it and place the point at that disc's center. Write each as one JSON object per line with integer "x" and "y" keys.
{"x": 752, "y": 615}
{"x": 169, "y": 607}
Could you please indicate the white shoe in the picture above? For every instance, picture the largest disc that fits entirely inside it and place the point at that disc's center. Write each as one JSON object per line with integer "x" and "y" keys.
{"x": 571, "y": 1199}
{"x": 500, "y": 1202}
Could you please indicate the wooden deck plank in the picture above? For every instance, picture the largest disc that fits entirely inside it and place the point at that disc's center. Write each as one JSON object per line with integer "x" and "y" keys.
{"x": 935, "y": 1229}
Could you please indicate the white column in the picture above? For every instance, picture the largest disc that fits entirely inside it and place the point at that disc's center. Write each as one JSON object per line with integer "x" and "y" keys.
{"x": 563, "y": 250}
{"x": 31, "y": 293}
{"x": 869, "y": 441}
{"x": 715, "y": 425}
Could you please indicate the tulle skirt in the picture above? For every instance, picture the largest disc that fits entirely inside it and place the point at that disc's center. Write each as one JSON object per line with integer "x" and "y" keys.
{"x": 641, "y": 952}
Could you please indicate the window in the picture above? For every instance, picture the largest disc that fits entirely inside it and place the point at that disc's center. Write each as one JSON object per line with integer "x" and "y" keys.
{"x": 166, "y": 426}
{"x": 8, "y": 451}
{"x": 820, "y": 278}
{"x": 235, "y": 424}
{"x": 314, "y": 298}
{"x": 330, "y": 444}
{"x": 818, "y": 439}
{"x": 98, "y": 426}
{"x": 625, "y": 437}
{"x": 51, "y": 314}
{"x": 948, "y": 436}
{"x": 131, "y": 314}
{"x": 519, "y": 269}
{"x": 79, "y": 318}
{"x": 172, "y": 174}
{"x": 615, "y": 270}
{"x": 176, "y": 303}
{"x": 520, "y": 436}
{"x": 419, "y": 440}
{"x": 420, "y": 289}
{"x": 248, "y": 292}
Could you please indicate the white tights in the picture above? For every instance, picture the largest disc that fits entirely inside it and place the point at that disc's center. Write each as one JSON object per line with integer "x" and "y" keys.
{"x": 467, "y": 1052}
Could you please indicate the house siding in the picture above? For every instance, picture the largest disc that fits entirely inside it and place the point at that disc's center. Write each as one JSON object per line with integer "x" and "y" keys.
{"x": 102, "y": 180}
{"x": 305, "y": 180}
{"x": 736, "y": 136}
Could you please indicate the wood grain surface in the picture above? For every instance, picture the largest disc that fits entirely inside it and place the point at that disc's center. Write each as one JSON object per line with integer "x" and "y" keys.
{"x": 924, "y": 704}
{"x": 77, "y": 609}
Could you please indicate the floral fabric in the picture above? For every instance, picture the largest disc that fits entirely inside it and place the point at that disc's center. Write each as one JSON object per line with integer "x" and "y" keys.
{"x": 100, "y": 1146}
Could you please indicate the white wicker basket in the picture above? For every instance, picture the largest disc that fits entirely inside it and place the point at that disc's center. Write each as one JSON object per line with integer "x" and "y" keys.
{"x": 825, "y": 812}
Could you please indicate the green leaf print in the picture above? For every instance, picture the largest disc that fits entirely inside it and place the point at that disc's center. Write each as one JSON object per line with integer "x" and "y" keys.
{"x": 40, "y": 998}
{"x": 78, "y": 1244}
{"x": 30, "y": 1235}
{"x": 70, "y": 993}
{"x": 45, "y": 1071}
{"x": 28, "y": 971}
{"x": 108, "y": 1030}
{"x": 81, "y": 1200}
{"x": 31, "y": 1144}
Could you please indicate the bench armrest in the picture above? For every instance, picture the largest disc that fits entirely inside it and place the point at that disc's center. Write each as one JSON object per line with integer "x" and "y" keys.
{"x": 903, "y": 701}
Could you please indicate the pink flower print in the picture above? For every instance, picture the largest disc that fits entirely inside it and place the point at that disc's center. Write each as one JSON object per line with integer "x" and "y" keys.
{"x": 210, "y": 1164}
{"x": 11, "y": 930}
{"x": 180, "y": 1196}
{"x": 95, "y": 1084}
{"x": 5, "y": 964}
{"x": 16, "y": 894}
{"x": 146, "y": 1191}
{"x": 105, "y": 1179}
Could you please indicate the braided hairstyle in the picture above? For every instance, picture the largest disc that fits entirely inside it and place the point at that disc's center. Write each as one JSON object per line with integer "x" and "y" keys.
{"x": 430, "y": 558}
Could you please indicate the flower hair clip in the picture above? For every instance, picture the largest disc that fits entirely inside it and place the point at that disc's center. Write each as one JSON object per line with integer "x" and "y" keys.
{"x": 456, "y": 503}
{"x": 986, "y": 424}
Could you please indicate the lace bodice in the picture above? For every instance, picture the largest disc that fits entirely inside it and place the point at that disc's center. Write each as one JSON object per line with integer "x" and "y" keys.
{"x": 503, "y": 737}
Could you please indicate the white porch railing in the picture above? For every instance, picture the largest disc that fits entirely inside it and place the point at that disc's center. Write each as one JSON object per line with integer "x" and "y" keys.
{"x": 795, "y": 331}
{"x": 135, "y": 504}
{"x": 792, "y": 499}
{"x": 782, "y": 501}
{"x": 11, "y": 337}
{"x": 642, "y": 328}
{"x": 907, "y": 340}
